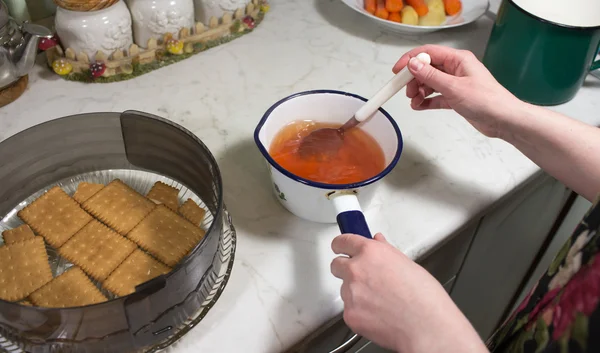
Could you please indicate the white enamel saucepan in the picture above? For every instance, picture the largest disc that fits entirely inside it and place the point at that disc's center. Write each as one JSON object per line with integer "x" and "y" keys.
{"x": 331, "y": 203}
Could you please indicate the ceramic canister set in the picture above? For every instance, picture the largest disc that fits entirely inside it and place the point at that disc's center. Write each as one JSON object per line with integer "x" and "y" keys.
{"x": 90, "y": 26}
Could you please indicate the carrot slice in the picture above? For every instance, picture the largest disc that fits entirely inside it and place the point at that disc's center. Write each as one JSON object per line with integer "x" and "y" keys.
{"x": 381, "y": 12}
{"x": 395, "y": 16}
{"x": 393, "y": 5}
{"x": 452, "y": 7}
{"x": 419, "y": 5}
{"x": 371, "y": 6}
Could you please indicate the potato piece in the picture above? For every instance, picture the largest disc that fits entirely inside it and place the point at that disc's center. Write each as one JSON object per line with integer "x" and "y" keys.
{"x": 435, "y": 5}
{"x": 433, "y": 18}
{"x": 436, "y": 15}
{"x": 409, "y": 16}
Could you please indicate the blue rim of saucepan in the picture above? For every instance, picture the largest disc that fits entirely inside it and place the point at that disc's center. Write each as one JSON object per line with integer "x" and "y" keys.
{"x": 292, "y": 176}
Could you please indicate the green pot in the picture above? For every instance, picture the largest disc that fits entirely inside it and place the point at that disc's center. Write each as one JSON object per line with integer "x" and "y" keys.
{"x": 540, "y": 60}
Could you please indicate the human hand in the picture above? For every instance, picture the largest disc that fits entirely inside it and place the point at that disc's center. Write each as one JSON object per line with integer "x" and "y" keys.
{"x": 464, "y": 84}
{"x": 394, "y": 302}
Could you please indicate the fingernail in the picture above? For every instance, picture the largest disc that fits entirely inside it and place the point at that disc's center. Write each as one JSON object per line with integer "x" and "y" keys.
{"x": 415, "y": 64}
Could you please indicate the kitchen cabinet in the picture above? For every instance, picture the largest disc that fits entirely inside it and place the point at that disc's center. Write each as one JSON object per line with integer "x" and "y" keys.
{"x": 573, "y": 215}
{"x": 503, "y": 251}
{"x": 445, "y": 262}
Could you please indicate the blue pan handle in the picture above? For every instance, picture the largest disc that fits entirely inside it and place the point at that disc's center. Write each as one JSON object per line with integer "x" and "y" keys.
{"x": 350, "y": 218}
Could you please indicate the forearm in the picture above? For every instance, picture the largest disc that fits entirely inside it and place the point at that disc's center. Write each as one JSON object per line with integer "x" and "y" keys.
{"x": 449, "y": 332}
{"x": 565, "y": 148}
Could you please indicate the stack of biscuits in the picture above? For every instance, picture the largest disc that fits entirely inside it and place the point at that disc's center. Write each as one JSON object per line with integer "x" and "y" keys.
{"x": 114, "y": 237}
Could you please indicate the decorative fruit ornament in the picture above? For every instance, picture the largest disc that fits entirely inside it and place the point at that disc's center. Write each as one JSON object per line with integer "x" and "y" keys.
{"x": 62, "y": 67}
{"x": 175, "y": 46}
{"x": 97, "y": 69}
{"x": 126, "y": 69}
{"x": 264, "y": 7}
{"x": 47, "y": 43}
{"x": 249, "y": 22}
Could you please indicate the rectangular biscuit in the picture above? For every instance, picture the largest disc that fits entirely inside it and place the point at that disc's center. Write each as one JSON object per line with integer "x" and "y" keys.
{"x": 192, "y": 212}
{"x": 15, "y": 235}
{"x": 119, "y": 206}
{"x": 138, "y": 268}
{"x": 55, "y": 216}
{"x": 162, "y": 193}
{"x": 166, "y": 235}
{"x": 70, "y": 289}
{"x": 24, "y": 268}
{"x": 97, "y": 249}
{"x": 86, "y": 190}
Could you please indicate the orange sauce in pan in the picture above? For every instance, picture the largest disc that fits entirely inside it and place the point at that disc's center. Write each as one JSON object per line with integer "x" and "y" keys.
{"x": 359, "y": 158}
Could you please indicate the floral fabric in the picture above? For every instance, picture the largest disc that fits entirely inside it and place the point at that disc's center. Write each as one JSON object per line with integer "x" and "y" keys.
{"x": 561, "y": 313}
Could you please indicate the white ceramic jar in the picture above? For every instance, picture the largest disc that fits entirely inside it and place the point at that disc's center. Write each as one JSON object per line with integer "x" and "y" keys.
{"x": 107, "y": 30}
{"x": 155, "y": 18}
{"x": 205, "y": 9}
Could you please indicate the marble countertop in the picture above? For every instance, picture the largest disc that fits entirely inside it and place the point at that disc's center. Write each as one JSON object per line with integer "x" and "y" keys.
{"x": 281, "y": 288}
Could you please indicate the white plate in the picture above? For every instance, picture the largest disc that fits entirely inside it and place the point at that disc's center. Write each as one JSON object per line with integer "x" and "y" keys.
{"x": 471, "y": 11}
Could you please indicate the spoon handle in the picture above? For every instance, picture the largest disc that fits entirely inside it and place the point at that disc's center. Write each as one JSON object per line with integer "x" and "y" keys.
{"x": 398, "y": 82}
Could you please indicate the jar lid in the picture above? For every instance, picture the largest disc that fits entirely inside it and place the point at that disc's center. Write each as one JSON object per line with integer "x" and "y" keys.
{"x": 85, "y": 5}
{"x": 573, "y": 13}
